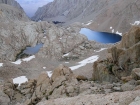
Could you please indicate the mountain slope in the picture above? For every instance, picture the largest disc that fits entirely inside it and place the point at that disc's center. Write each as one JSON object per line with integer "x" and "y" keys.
{"x": 104, "y": 14}
{"x": 10, "y": 10}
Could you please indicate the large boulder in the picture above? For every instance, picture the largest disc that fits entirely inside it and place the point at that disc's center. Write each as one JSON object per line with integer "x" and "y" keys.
{"x": 61, "y": 70}
{"x": 124, "y": 58}
{"x": 136, "y": 73}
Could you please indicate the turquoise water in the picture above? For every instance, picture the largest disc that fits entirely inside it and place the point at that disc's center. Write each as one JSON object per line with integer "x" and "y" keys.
{"x": 102, "y": 37}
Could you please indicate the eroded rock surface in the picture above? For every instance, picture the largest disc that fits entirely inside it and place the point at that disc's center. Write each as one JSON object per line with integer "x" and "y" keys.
{"x": 124, "y": 58}
{"x": 64, "y": 84}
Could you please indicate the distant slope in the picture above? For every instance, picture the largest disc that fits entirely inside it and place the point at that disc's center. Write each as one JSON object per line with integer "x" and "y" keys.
{"x": 12, "y": 3}
{"x": 117, "y": 14}
{"x": 10, "y": 10}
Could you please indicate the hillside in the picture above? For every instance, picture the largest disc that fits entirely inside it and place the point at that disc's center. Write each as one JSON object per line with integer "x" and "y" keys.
{"x": 103, "y": 13}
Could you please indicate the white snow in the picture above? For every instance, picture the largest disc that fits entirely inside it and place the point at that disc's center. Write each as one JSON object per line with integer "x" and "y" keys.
{"x": 29, "y": 58}
{"x": 65, "y": 55}
{"x": 44, "y": 37}
{"x": 101, "y": 49}
{"x": 119, "y": 33}
{"x": 1, "y": 64}
{"x": 110, "y": 27}
{"x": 49, "y": 73}
{"x": 91, "y": 59}
{"x": 135, "y": 23}
{"x": 18, "y": 62}
{"x": 66, "y": 62}
{"x": 44, "y": 67}
{"x": 89, "y": 22}
{"x": 20, "y": 80}
{"x": 112, "y": 30}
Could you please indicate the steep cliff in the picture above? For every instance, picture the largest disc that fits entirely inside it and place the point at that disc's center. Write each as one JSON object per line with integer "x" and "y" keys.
{"x": 103, "y": 13}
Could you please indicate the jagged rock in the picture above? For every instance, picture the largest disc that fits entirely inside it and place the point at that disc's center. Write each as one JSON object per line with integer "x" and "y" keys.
{"x": 43, "y": 87}
{"x": 136, "y": 73}
{"x": 136, "y": 101}
{"x": 127, "y": 87}
{"x": 81, "y": 77}
{"x": 121, "y": 98}
{"x": 126, "y": 79}
{"x": 58, "y": 81}
{"x": 125, "y": 57}
{"x": 102, "y": 72}
{"x": 4, "y": 99}
{"x": 61, "y": 70}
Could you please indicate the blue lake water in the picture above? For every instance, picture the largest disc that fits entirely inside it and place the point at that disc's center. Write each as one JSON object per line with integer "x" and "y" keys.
{"x": 32, "y": 50}
{"x": 102, "y": 37}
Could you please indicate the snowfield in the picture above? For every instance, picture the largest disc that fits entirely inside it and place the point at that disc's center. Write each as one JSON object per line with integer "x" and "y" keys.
{"x": 1, "y": 64}
{"x": 18, "y": 62}
{"x": 91, "y": 59}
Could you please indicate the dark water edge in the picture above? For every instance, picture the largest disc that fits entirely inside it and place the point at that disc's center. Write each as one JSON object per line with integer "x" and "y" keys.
{"x": 29, "y": 51}
{"x": 101, "y": 37}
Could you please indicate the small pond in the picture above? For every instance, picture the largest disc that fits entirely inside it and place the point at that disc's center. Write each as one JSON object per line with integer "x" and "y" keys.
{"x": 30, "y": 51}
{"x": 33, "y": 50}
{"x": 102, "y": 37}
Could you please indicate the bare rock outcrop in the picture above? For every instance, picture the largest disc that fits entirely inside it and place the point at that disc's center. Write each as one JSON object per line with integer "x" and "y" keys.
{"x": 123, "y": 98}
{"x": 15, "y": 36}
{"x": 65, "y": 85}
{"x": 124, "y": 58}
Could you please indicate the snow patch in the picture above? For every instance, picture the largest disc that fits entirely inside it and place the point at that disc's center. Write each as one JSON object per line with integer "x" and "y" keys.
{"x": 20, "y": 80}
{"x": 89, "y": 22}
{"x": 66, "y": 54}
{"x": 110, "y": 27}
{"x": 101, "y": 49}
{"x": 91, "y": 59}
{"x": 66, "y": 62}
{"x": 29, "y": 58}
{"x": 44, "y": 67}
{"x": 119, "y": 33}
{"x": 112, "y": 30}
{"x": 1, "y": 64}
{"x": 135, "y": 23}
{"x": 49, "y": 73}
{"x": 18, "y": 62}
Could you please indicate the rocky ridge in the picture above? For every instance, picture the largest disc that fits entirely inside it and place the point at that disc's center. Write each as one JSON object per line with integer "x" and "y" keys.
{"x": 104, "y": 13}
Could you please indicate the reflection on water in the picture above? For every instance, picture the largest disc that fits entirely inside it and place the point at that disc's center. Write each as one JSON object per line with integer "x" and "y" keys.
{"x": 102, "y": 37}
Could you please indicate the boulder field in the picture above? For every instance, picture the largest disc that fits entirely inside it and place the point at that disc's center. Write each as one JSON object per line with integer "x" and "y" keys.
{"x": 116, "y": 81}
